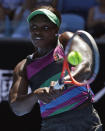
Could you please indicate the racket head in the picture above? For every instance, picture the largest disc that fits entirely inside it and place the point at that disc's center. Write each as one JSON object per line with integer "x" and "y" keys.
{"x": 86, "y": 37}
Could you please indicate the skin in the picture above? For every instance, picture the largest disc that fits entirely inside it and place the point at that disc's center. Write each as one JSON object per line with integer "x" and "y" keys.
{"x": 84, "y": 69}
{"x": 21, "y": 102}
{"x": 41, "y": 27}
{"x": 43, "y": 30}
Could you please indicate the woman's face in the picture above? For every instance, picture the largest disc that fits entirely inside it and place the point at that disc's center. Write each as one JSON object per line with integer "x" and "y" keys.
{"x": 43, "y": 32}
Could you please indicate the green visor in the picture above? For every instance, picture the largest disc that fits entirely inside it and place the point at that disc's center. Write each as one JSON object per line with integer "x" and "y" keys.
{"x": 46, "y": 12}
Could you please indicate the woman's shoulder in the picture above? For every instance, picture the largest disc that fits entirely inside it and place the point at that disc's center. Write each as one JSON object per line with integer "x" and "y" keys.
{"x": 20, "y": 67}
{"x": 64, "y": 37}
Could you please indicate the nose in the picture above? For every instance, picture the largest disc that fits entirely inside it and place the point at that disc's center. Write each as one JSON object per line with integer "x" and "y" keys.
{"x": 37, "y": 31}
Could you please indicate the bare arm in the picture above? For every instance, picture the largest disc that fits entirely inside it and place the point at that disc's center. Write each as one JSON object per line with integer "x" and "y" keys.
{"x": 84, "y": 69}
{"x": 20, "y": 101}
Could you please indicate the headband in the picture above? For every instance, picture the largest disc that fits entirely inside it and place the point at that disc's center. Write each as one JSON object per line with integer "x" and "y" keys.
{"x": 46, "y": 12}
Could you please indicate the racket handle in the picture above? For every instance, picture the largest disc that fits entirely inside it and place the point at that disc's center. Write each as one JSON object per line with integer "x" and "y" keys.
{"x": 59, "y": 84}
{"x": 61, "y": 81}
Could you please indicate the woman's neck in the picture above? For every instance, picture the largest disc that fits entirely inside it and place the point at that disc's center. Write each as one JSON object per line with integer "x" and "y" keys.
{"x": 41, "y": 52}
{"x": 44, "y": 51}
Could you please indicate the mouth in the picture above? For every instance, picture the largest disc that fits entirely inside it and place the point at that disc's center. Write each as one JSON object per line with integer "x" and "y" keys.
{"x": 37, "y": 38}
{"x": 37, "y": 41}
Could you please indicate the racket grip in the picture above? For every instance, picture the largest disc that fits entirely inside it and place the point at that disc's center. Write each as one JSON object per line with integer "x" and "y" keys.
{"x": 61, "y": 81}
{"x": 59, "y": 85}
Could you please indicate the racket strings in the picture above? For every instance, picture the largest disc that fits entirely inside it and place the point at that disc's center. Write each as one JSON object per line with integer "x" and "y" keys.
{"x": 72, "y": 80}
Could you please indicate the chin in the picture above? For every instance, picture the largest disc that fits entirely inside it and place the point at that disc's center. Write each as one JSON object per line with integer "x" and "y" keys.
{"x": 38, "y": 45}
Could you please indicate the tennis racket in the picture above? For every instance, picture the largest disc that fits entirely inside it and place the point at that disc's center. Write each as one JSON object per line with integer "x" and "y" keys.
{"x": 92, "y": 44}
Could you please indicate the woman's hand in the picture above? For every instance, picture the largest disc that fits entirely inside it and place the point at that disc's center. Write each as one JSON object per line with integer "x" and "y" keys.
{"x": 47, "y": 94}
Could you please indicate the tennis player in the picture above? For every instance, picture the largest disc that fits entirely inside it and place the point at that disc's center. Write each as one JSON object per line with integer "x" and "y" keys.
{"x": 65, "y": 109}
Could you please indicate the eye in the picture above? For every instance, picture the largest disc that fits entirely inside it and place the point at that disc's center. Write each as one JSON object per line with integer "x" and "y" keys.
{"x": 33, "y": 28}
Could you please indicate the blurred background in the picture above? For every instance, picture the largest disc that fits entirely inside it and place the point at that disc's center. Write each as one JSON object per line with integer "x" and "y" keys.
{"x": 15, "y": 45}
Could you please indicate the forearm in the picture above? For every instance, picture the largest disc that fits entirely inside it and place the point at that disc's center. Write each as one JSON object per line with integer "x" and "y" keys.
{"x": 81, "y": 72}
{"x": 23, "y": 104}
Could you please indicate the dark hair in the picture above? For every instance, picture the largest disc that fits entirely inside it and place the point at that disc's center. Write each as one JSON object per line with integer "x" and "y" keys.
{"x": 50, "y": 8}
